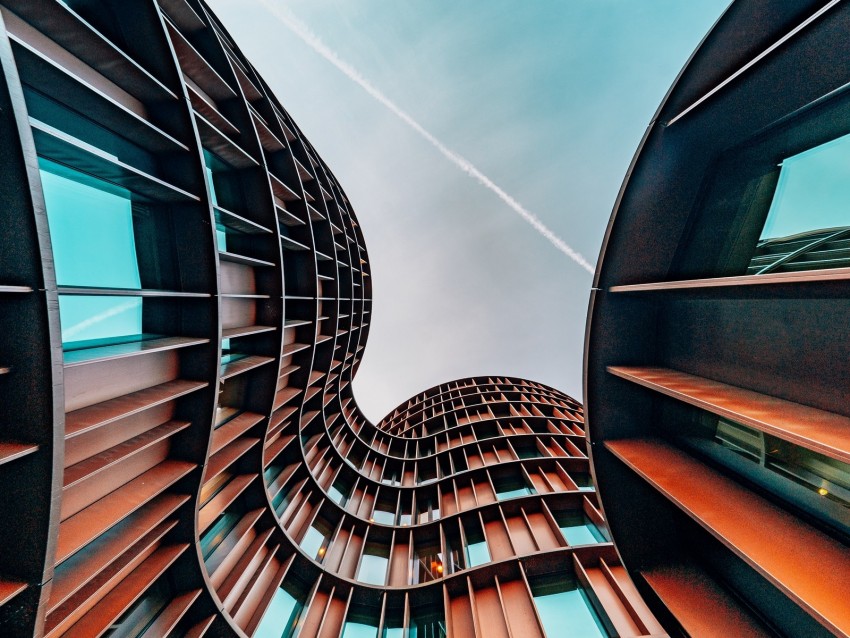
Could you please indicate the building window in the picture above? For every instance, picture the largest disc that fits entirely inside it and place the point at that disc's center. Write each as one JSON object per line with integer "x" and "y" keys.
{"x": 383, "y": 514}
{"x": 808, "y": 222}
{"x": 476, "y": 546}
{"x": 91, "y": 229}
{"x": 339, "y": 491}
{"x": 818, "y": 484}
{"x": 361, "y": 623}
{"x": 564, "y": 609}
{"x": 281, "y": 618}
{"x": 511, "y": 486}
{"x": 316, "y": 540}
{"x": 583, "y": 480}
{"x": 373, "y": 565}
{"x": 578, "y": 529}
{"x": 427, "y": 565}
{"x": 427, "y": 623}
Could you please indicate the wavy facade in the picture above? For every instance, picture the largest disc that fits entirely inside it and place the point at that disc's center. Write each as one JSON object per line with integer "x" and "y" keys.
{"x": 184, "y": 299}
{"x": 717, "y": 360}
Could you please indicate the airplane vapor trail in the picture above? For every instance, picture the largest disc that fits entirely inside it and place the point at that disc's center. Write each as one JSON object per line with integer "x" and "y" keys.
{"x": 287, "y": 19}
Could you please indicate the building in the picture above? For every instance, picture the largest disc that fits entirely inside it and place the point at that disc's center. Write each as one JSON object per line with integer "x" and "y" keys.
{"x": 184, "y": 299}
{"x": 717, "y": 361}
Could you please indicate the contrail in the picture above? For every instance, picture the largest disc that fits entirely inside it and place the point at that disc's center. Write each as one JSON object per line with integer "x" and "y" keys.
{"x": 312, "y": 40}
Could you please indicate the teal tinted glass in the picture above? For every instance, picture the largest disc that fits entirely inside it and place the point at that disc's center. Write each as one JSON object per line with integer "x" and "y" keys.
{"x": 373, "y": 569}
{"x": 281, "y": 617}
{"x": 359, "y": 630}
{"x": 383, "y": 516}
{"x": 208, "y": 160}
{"x": 511, "y": 487}
{"x": 313, "y": 543}
{"x": 393, "y": 632}
{"x": 568, "y": 614}
{"x": 85, "y": 318}
{"x": 813, "y": 191}
{"x": 808, "y": 223}
{"x": 582, "y": 480}
{"x": 477, "y": 554}
{"x": 578, "y": 530}
{"x": 91, "y": 229}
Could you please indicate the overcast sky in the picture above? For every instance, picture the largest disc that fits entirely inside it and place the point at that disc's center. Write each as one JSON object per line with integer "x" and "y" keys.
{"x": 546, "y": 98}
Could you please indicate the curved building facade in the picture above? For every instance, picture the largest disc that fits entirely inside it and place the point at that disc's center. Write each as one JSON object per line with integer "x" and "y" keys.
{"x": 717, "y": 363}
{"x": 184, "y": 300}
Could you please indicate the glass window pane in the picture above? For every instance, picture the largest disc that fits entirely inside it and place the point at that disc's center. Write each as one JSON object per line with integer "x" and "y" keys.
{"x": 477, "y": 554}
{"x": 91, "y": 229}
{"x": 314, "y": 543}
{"x": 808, "y": 210}
{"x": 578, "y": 529}
{"x": 511, "y": 486}
{"x": 565, "y": 610}
{"x": 359, "y": 630}
{"x": 373, "y": 568}
{"x": 813, "y": 191}
{"x": 282, "y": 615}
{"x": 383, "y": 516}
{"x": 89, "y": 318}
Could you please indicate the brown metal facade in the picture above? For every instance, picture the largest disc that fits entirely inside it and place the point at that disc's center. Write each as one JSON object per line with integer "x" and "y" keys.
{"x": 180, "y": 450}
{"x": 717, "y": 361}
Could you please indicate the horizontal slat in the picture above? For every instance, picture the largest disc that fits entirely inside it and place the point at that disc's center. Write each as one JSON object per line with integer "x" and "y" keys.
{"x": 282, "y": 190}
{"x": 125, "y": 594}
{"x": 63, "y": 25}
{"x": 9, "y": 589}
{"x": 242, "y": 259}
{"x": 221, "y": 501}
{"x": 49, "y": 78}
{"x": 685, "y": 592}
{"x": 130, "y": 349}
{"x": 290, "y": 244}
{"x": 80, "y": 568}
{"x": 791, "y": 556}
{"x": 292, "y": 348}
{"x": 232, "y": 368}
{"x": 219, "y": 143}
{"x": 204, "y": 105}
{"x": 88, "y": 594}
{"x": 85, "y": 526}
{"x": 814, "y": 429}
{"x": 233, "y": 429}
{"x": 10, "y": 451}
{"x": 15, "y": 289}
{"x": 100, "y": 414}
{"x": 220, "y": 461}
{"x": 696, "y": 285}
{"x": 231, "y": 220}
{"x": 245, "y": 331}
{"x": 130, "y": 292}
{"x": 64, "y": 149}
{"x": 168, "y": 618}
{"x": 197, "y": 67}
{"x": 87, "y": 469}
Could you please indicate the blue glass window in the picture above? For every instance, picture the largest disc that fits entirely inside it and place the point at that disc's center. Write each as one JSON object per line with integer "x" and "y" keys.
{"x": 91, "y": 229}
{"x": 373, "y": 566}
{"x": 565, "y": 610}
{"x": 511, "y": 486}
{"x": 283, "y": 613}
{"x": 315, "y": 541}
{"x": 578, "y": 529}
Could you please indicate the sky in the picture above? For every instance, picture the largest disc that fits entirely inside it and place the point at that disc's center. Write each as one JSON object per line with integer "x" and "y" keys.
{"x": 460, "y": 118}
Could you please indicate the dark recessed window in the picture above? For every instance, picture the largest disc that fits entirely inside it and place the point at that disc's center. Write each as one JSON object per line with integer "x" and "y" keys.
{"x": 808, "y": 224}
